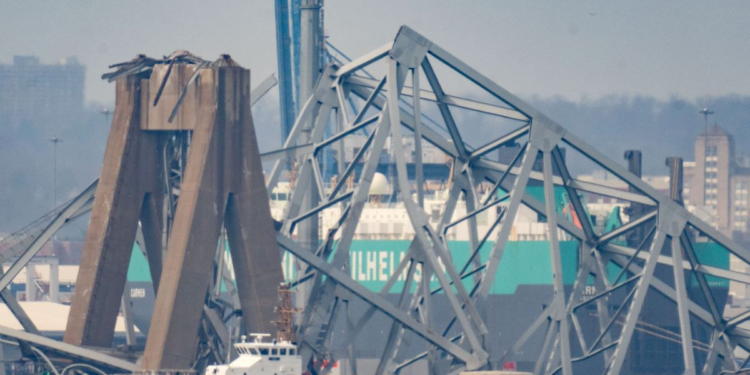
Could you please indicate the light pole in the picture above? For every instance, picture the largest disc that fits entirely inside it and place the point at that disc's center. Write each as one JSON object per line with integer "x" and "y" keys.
{"x": 55, "y": 140}
{"x": 106, "y": 113}
{"x": 705, "y": 112}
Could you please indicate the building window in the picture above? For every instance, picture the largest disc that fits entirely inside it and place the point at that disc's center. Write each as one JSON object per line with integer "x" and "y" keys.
{"x": 711, "y": 151}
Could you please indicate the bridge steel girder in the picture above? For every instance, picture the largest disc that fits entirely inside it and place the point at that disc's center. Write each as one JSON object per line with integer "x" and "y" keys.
{"x": 72, "y": 352}
{"x": 391, "y": 108}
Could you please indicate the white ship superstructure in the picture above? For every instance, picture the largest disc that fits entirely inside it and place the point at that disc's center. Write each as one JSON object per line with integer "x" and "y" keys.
{"x": 383, "y": 219}
{"x": 259, "y": 357}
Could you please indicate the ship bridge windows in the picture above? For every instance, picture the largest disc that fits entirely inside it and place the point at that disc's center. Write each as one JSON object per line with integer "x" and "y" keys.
{"x": 245, "y": 350}
{"x": 263, "y": 351}
{"x": 279, "y": 196}
{"x": 282, "y": 351}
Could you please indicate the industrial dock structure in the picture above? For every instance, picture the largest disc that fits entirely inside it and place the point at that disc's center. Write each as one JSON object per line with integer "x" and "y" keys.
{"x": 377, "y": 239}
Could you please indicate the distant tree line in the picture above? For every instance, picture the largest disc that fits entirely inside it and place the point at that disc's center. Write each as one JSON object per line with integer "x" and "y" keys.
{"x": 613, "y": 124}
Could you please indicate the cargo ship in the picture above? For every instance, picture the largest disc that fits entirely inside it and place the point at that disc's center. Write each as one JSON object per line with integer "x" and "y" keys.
{"x": 523, "y": 285}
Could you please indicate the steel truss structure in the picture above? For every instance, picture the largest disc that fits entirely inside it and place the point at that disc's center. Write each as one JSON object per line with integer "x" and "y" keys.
{"x": 389, "y": 111}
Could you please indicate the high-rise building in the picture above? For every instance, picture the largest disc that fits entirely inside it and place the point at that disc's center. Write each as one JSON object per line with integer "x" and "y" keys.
{"x": 714, "y": 152}
{"x": 688, "y": 173}
{"x": 739, "y": 196}
{"x": 32, "y": 93}
{"x": 720, "y": 181}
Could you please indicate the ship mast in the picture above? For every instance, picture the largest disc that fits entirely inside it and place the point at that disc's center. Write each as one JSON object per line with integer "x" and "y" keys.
{"x": 285, "y": 311}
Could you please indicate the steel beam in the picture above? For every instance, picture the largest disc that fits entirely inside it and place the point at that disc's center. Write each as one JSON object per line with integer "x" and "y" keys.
{"x": 386, "y": 97}
{"x": 451, "y": 100}
{"x": 62, "y": 218}
{"x": 396, "y": 78}
{"x": 15, "y": 308}
{"x": 683, "y": 308}
{"x": 73, "y": 351}
{"x": 557, "y": 277}
{"x": 378, "y": 302}
{"x": 517, "y": 192}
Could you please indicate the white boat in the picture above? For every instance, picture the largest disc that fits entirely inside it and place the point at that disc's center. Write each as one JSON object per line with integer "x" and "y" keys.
{"x": 259, "y": 357}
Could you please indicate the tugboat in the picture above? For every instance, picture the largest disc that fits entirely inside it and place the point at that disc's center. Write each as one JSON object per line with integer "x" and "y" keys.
{"x": 258, "y": 357}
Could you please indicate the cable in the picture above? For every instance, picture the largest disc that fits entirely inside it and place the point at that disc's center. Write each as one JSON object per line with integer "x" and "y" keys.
{"x": 699, "y": 345}
{"x": 49, "y": 363}
{"x": 82, "y": 365}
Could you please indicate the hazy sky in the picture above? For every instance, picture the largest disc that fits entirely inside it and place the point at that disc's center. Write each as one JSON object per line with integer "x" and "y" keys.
{"x": 572, "y": 49}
